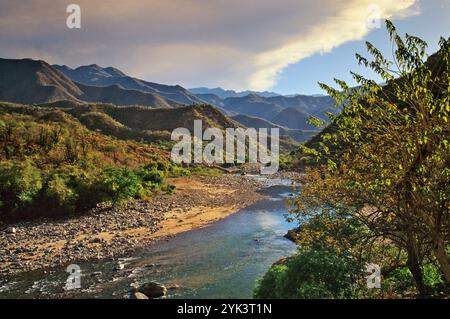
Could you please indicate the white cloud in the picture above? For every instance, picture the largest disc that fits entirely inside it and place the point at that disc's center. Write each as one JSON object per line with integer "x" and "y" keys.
{"x": 347, "y": 24}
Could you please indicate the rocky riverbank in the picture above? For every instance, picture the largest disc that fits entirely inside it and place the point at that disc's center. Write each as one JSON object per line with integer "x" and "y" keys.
{"x": 111, "y": 232}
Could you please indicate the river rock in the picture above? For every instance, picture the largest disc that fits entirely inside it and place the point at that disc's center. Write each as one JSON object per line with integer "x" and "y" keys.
{"x": 138, "y": 295}
{"x": 152, "y": 290}
{"x": 119, "y": 266}
{"x": 11, "y": 230}
{"x": 173, "y": 287}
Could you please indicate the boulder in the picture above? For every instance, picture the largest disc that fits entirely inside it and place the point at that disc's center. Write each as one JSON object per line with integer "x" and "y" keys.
{"x": 152, "y": 290}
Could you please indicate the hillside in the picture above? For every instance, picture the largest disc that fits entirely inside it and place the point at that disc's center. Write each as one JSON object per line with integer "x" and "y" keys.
{"x": 294, "y": 119}
{"x": 156, "y": 125}
{"x": 255, "y": 122}
{"x": 252, "y": 105}
{"x": 119, "y": 96}
{"x": 30, "y": 81}
{"x": 43, "y": 135}
{"x": 313, "y": 105}
{"x": 212, "y": 99}
{"x": 95, "y": 75}
{"x": 146, "y": 119}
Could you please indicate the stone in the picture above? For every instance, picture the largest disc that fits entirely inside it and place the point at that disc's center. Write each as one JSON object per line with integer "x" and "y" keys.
{"x": 11, "y": 230}
{"x": 138, "y": 295}
{"x": 173, "y": 287}
{"x": 152, "y": 290}
{"x": 119, "y": 266}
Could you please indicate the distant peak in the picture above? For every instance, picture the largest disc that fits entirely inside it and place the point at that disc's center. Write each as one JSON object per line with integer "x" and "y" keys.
{"x": 62, "y": 66}
{"x": 90, "y": 66}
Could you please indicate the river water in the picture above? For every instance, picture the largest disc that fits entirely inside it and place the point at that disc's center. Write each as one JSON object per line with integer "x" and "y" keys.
{"x": 222, "y": 260}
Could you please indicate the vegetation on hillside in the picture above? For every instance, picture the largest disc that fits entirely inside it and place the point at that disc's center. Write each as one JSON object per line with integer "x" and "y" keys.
{"x": 380, "y": 190}
{"x": 52, "y": 165}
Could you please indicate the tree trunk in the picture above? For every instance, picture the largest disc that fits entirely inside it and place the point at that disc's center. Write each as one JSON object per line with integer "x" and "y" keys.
{"x": 413, "y": 264}
{"x": 442, "y": 258}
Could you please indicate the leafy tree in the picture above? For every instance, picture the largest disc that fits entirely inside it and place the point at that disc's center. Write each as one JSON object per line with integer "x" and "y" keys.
{"x": 119, "y": 184}
{"x": 386, "y": 158}
{"x": 20, "y": 183}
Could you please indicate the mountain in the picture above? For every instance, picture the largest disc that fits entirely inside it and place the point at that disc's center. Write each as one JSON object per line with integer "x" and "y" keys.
{"x": 256, "y": 122}
{"x": 223, "y": 94}
{"x": 117, "y": 95}
{"x": 211, "y": 99}
{"x": 95, "y": 75}
{"x": 309, "y": 104}
{"x": 267, "y": 107}
{"x": 288, "y": 112}
{"x": 33, "y": 82}
{"x": 146, "y": 119}
{"x": 294, "y": 119}
{"x": 30, "y": 81}
{"x": 252, "y": 105}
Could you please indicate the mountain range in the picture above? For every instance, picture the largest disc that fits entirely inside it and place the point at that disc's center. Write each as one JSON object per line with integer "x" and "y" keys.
{"x": 289, "y": 111}
{"x": 32, "y": 82}
{"x": 95, "y": 75}
{"x": 28, "y": 81}
{"x": 223, "y": 94}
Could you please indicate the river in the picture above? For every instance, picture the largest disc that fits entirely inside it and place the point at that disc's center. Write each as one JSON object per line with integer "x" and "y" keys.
{"x": 222, "y": 260}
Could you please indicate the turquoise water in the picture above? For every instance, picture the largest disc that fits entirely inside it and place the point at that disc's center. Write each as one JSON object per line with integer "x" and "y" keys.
{"x": 223, "y": 260}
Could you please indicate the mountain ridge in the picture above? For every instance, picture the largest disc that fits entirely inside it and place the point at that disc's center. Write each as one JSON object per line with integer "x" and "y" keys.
{"x": 31, "y": 81}
{"x": 95, "y": 75}
{"x": 223, "y": 93}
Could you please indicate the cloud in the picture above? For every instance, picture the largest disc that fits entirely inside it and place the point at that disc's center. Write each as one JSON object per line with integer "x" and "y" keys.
{"x": 231, "y": 43}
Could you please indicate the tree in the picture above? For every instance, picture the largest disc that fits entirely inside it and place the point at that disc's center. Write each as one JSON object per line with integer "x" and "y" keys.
{"x": 386, "y": 158}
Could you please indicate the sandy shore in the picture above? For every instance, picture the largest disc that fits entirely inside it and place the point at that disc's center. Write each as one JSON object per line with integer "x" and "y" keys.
{"x": 110, "y": 232}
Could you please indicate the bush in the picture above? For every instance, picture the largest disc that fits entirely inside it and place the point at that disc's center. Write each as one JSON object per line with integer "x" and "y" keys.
{"x": 57, "y": 195}
{"x": 175, "y": 170}
{"x": 20, "y": 183}
{"x": 26, "y": 191}
{"x": 111, "y": 184}
{"x": 118, "y": 184}
{"x": 312, "y": 273}
{"x": 151, "y": 175}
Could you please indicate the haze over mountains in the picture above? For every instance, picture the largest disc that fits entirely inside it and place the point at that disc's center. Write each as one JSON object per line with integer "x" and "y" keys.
{"x": 28, "y": 81}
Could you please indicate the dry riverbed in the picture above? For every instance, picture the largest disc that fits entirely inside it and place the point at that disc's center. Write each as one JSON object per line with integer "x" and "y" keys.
{"x": 111, "y": 232}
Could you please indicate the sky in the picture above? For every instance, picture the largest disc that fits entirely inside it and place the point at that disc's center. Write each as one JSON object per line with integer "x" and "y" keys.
{"x": 286, "y": 46}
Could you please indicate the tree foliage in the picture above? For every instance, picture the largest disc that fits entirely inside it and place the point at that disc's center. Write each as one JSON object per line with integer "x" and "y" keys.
{"x": 385, "y": 160}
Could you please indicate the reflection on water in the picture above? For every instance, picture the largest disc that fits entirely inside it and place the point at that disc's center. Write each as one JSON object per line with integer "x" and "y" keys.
{"x": 222, "y": 260}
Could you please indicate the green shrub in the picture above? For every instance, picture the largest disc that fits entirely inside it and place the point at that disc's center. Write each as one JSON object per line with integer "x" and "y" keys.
{"x": 57, "y": 195}
{"x": 118, "y": 184}
{"x": 151, "y": 176}
{"x": 176, "y": 170}
{"x": 26, "y": 191}
{"x": 20, "y": 183}
{"x": 169, "y": 188}
{"x": 206, "y": 171}
{"x": 312, "y": 273}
